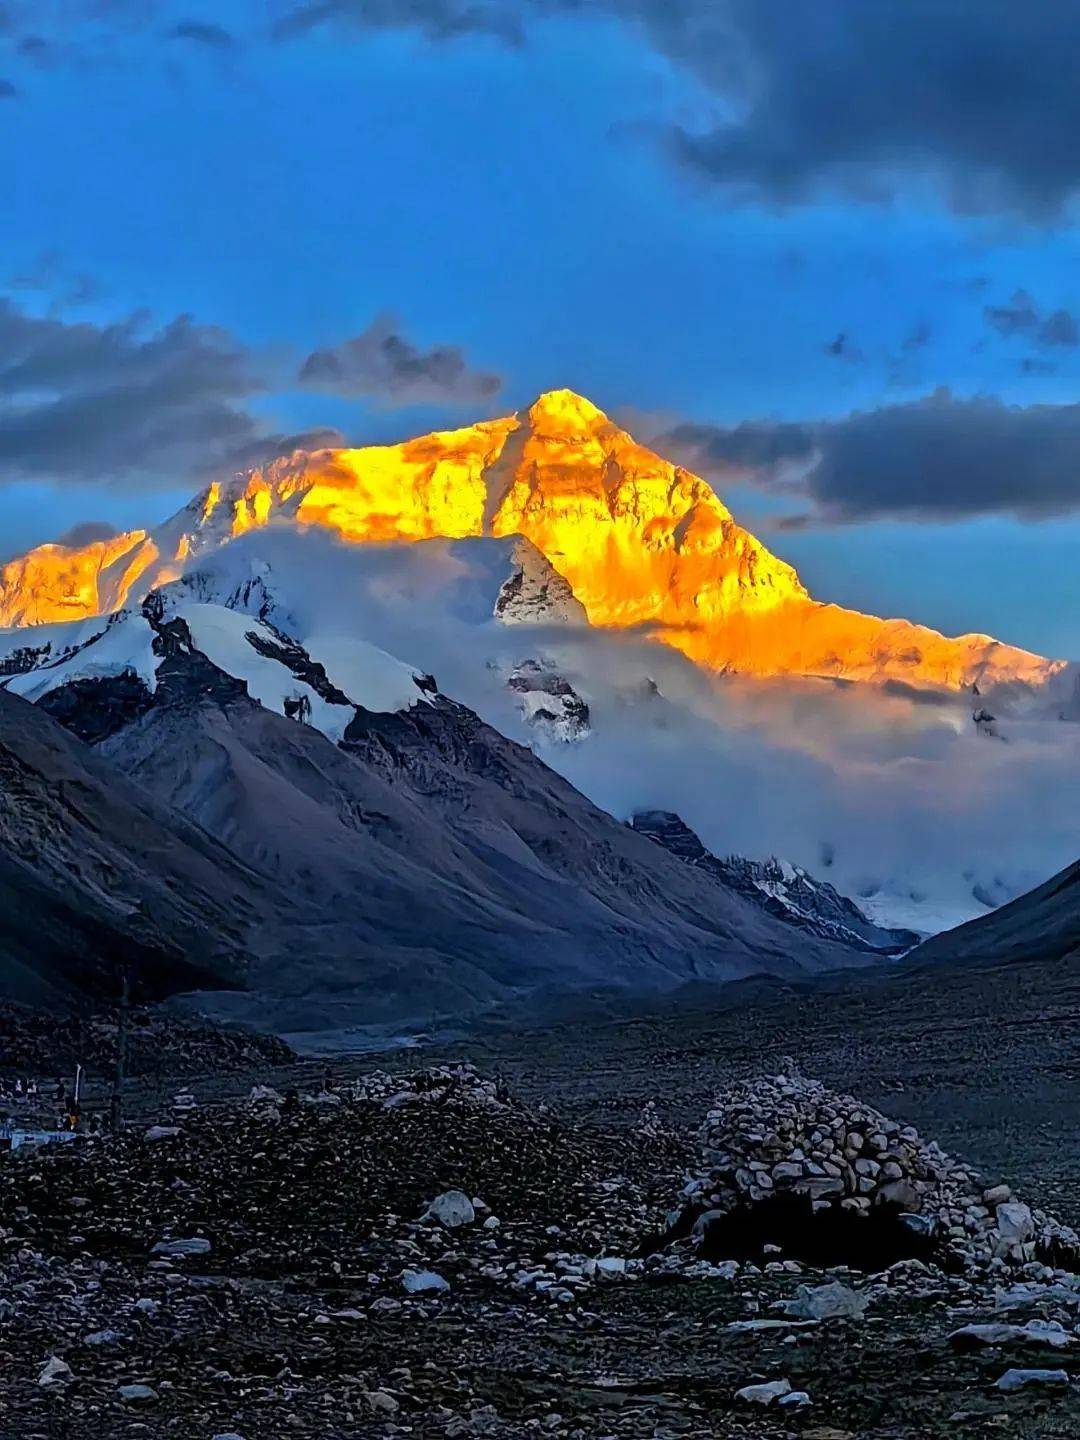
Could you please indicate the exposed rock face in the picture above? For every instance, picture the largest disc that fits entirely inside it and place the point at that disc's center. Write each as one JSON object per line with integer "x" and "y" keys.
{"x": 781, "y": 889}
{"x": 639, "y": 541}
{"x": 535, "y": 593}
{"x": 549, "y": 703}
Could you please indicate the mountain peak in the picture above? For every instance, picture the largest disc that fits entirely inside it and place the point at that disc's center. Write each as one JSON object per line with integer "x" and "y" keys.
{"x": 565, "y": 412}
{"x": 641, "y": 542}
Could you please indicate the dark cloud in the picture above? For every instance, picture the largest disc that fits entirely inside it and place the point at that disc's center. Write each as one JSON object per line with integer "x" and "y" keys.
{"x": 49, "y": 274}
{"x": 84, "y": 34}
{"x": 7, "y": 90}
{"x": 202, "y": 32}
{"x": 37, "y": 50}
{"x": 918, "y": 338}
{"x": 978, "y": 97}
{"x": 265, "y": 448}
{"x": 1021, "y": 316}
{"x": 84, "y": 402}
{"x": 1060, "y": 328}
{"x": 942, "y": 457}
{"x": 86, "y": 532}
{"x": 437, "y": 19}
{"x": 42, "y": 274}
{"x": 937, "y": 458}
{"x": 764, "y": 450}
{"x": 842, "y": 348}
{"x": 864, "y": 98}
{"x": 382, "y": 364}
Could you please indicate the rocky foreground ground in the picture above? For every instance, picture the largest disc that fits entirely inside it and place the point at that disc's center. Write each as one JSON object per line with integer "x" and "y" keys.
{"x": 430, "y": 1250}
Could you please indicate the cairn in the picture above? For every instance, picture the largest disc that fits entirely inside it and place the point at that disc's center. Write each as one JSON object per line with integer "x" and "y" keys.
{"x": 787, "y": 1135}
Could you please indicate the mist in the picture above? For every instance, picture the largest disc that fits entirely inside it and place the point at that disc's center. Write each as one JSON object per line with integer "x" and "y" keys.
{"x": 893, "y": 795}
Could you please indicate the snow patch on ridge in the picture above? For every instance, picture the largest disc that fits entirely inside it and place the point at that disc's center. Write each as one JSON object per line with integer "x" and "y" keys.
{"x": 222, "y": 634}
{"x": 368, "y": 675}
{"x": 248, "y": 649}
{"x": 89, "y": 652}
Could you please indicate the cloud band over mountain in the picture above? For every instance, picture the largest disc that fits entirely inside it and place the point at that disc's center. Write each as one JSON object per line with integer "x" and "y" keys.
{"x": 936, "y": 458}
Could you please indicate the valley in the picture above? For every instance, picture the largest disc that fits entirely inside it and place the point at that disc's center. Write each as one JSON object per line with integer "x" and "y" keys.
{"x": 588, "y": 1126}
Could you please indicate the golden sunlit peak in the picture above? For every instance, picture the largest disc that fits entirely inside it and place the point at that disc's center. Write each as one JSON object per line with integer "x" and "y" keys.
{"x": 563, "y": 411}
{"x": 640, "y": 541}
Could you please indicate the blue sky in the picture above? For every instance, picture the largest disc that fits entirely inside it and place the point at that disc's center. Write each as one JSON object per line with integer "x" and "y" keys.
{"x": 519, "y": 203}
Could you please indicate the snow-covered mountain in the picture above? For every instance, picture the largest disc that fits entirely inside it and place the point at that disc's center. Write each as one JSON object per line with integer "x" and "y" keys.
{"x": 1041, "y": 925}
{"x": 890, "y": 790}
{"x": 125, "y": 652}
{"x": 594, "y": 602}
{"x": 640, "y": 543}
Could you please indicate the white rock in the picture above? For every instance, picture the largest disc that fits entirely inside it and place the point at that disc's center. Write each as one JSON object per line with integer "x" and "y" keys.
{"x": 161, "y": 1132}
{"x": 1015, "y": 1222}
{"x": 828, "y": 1302}
{"x": 380, "y": 1400}
{"x": 195, "y": 1245}
{"x": 795, "y": 1398}
{"x": 611, "y": 1265}
{"x": 102, "y": 1337}
{"x": 53, "y": 1371}
{"x": 1035, "y": 1332}
{"x": 1020, "y": 1379}
{"x": 765, "y": 1393}
{"x": 452, "y": 1208}
{"x": 423, "y": 1282}
{"x": 136, "y": 1394}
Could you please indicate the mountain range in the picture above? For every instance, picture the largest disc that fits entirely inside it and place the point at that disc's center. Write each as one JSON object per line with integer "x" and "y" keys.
{"x": 643, "y": 544}
{"x": 366, "y": 738}
{"x": 417, "y": 864}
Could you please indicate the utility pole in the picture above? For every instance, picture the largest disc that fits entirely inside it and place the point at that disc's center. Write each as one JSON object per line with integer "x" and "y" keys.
{"x": 116, "y": 1103}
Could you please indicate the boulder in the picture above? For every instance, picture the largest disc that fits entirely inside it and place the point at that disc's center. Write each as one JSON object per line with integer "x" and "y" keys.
{"x": 827, "y": 1302}
{"x": 452, "y": 1208}
{"x": 424, "y": 1282}
{"x": 765, "y": 1393}
{"x": 1021, "y": 1379}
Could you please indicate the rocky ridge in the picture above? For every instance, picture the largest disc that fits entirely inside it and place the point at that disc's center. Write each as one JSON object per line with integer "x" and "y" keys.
{"x": 786, "y": 891}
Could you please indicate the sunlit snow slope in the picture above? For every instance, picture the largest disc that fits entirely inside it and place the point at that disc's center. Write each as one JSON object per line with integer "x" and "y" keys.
{"x": 642, "y": 543}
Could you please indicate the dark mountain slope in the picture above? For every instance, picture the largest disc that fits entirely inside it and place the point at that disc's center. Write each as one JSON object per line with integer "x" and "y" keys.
{"x": 96, "y": 875}
{"x": 788, "y": 893}
{"x": 425, "y": 866}
{"x": 1041, "y": 925}
{"x": 428, "y": 865}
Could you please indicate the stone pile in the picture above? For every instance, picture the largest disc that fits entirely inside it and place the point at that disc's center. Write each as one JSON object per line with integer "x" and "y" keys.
{"x": 424, "y": 1255}
{"x": 460, "y": 1085}
{"x": 787, "y": 1135}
